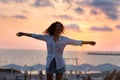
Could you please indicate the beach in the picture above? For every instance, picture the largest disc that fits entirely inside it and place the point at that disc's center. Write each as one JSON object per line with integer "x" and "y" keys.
{"x": 34, "y": 57}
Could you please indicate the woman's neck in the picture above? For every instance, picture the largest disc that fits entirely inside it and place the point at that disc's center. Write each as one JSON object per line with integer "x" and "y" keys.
{"x": 56, "y": 35}
{"x": 55, "y": 38}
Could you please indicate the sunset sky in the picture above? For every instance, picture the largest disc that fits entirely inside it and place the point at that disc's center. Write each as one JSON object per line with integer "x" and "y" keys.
{"x": 97, "y": 20}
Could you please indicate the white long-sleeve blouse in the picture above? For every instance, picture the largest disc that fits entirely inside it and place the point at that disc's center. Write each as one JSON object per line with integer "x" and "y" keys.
{"x": 55, "y": 49}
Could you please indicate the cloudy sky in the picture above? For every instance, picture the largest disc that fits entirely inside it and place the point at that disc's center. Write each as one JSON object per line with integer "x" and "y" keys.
{"x": 97, "y": 20}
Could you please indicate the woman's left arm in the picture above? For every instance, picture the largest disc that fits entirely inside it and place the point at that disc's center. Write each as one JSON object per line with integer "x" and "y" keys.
{"x": 79, "y": 42}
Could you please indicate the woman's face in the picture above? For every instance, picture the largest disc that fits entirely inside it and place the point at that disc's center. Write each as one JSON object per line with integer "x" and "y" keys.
{"x": 58, "y": 29}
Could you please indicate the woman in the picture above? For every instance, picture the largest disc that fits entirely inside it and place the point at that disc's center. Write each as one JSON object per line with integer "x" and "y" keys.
{"x": 55, "y": 46}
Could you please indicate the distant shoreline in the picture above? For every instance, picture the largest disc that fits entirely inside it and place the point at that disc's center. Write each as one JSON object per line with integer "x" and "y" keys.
{"x": 95, "y": 53}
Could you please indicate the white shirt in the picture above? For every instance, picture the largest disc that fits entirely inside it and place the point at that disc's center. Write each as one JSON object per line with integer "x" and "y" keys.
{"x": 55, "y": 49}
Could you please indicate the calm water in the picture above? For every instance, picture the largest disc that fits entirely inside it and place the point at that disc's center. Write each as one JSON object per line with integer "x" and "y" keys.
{"x": 31, "y": 57}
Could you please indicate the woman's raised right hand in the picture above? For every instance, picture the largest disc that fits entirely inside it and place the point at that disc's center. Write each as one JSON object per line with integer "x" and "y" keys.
{"x": 20, "y": 34}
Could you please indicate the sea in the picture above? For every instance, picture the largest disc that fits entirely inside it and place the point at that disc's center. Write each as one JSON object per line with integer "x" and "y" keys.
{"x": 31, "y": 57}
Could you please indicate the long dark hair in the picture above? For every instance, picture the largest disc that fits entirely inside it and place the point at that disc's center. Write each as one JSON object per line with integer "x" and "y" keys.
{"x": 51, "y": 29}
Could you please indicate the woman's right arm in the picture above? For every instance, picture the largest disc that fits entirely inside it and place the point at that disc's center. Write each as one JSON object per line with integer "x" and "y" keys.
{"x": 36, "y": 36}
{"x": 24, "y": 34}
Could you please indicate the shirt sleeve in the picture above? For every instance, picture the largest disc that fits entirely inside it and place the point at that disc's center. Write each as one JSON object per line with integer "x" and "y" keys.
{"x": 74, "y": 42}
{"x": 39, "y": 36}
